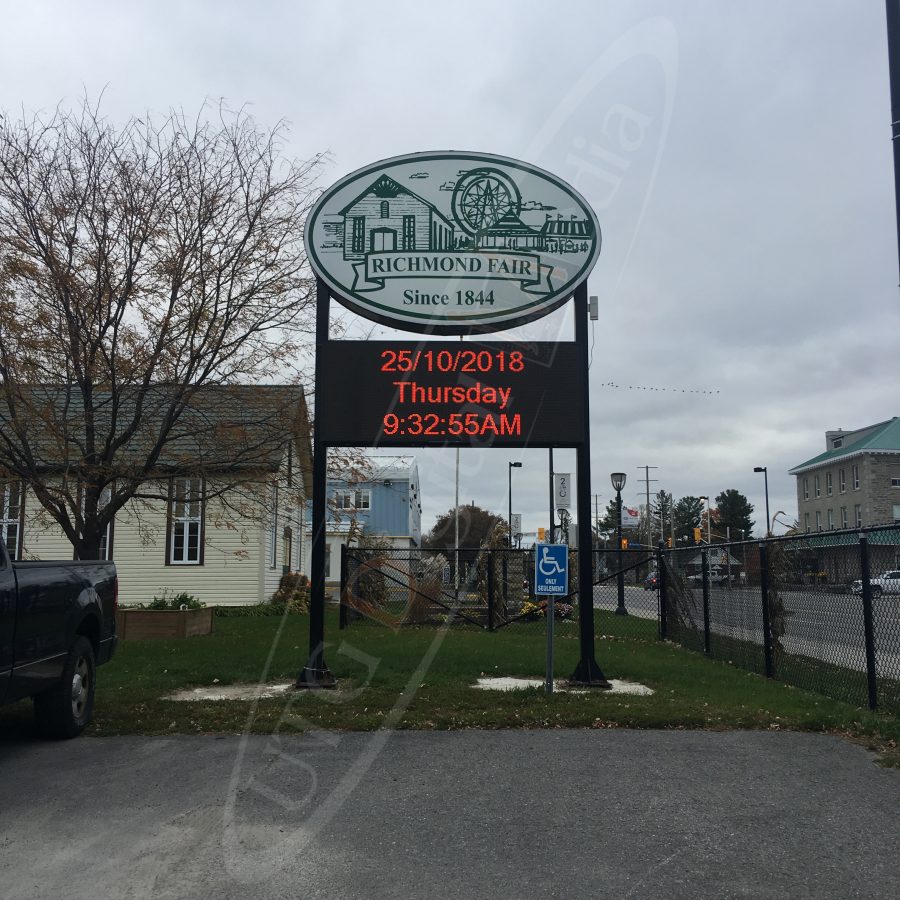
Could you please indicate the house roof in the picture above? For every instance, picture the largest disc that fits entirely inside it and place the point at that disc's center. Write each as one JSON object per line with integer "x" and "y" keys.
{"x": 881, "y": 438}
{"x": 221, "y": 428}
{"x": 384, "y": 187}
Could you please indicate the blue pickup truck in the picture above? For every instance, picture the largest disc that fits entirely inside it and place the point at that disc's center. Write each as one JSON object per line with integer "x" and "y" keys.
{"x": 57, "y": 624}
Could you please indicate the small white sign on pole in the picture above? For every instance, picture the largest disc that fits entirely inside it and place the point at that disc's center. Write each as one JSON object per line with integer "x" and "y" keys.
{"x": 562, "y": 490}
{"x": 515, "y": 524}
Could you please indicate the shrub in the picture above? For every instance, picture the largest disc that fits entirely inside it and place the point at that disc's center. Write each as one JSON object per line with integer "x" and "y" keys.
{"x": 177, "y": 601}
{"x": 293, "y": 592}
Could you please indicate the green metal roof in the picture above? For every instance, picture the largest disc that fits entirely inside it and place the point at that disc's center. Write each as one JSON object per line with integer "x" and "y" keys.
{"x": 884, "y": 438}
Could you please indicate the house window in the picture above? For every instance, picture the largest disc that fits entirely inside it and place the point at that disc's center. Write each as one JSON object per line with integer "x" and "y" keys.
{"x": 287, "y": 545}
{"x": 858, "y": 514}
{"x": 856, "y": 478}
{"x": 353, "y": 499}
{"x": 828, "y": 483}
{"x": 831, "y": 520}
{"x": 844, "y": 523}
{"x": 818, "y": 520}
{"x": 806, "y": 489}
{"x": 806, "y": 521}
{"x": 895, "y": 482}
{"x": 837, "y": 443}
{"x": 273, "y": 529}
{"x": 358, "y": 239}
{"x": 842, "y": 480}
{"x": 186, "y": 522}
{"x": 11, "y": 517}
{"x": 896, "y": 510}
{"x": 816, "y": 486}
{"x": 385, "y": 209}
{"x": 409, "y": 233}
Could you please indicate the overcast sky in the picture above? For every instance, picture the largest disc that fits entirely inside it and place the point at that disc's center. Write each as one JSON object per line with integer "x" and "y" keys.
{"x": 748, "y": 278}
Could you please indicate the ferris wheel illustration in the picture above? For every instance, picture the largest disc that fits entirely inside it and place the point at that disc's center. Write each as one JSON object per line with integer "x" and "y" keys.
{"x": 482, "y": 197}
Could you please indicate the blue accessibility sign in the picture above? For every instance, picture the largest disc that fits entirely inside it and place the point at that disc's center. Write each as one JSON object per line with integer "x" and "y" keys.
{"x": 551, "y": 570}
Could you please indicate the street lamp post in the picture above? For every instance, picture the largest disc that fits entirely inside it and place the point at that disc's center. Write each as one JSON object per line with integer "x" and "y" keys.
{"x": 708, "y": 531}
{"x": 618, "y": 482}
{"x": 765, "y": 472}
{"x": 512, "y": 465}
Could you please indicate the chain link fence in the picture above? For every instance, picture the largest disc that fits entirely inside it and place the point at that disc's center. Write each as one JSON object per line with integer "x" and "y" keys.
{"x": 819, "y": 611}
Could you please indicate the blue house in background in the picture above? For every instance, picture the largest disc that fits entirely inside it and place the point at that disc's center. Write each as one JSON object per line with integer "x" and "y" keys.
{"x": 387, "y": 505}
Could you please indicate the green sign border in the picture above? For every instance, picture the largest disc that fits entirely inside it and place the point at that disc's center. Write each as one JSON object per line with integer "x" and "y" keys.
{"x": 436, "y": 324}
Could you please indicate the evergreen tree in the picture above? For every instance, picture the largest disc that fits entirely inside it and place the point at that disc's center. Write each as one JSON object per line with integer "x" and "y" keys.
{"x": 688, "y": 516}
{"x": 661, "y": 511}
{"x": 734, "y": 511}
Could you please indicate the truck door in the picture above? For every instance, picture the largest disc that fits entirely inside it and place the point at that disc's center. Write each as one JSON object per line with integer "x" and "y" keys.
{"x": 7, "y": 618}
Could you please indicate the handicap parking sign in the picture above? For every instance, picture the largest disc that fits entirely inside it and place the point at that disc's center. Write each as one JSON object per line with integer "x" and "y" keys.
{"x": 551, "y": 570}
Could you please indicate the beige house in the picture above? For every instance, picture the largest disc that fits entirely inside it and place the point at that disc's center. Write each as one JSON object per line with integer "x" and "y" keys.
{"x": 223, "y": 519}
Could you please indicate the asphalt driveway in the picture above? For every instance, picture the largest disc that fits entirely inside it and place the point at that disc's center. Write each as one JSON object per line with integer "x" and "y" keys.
{"x": 602, "y": 813}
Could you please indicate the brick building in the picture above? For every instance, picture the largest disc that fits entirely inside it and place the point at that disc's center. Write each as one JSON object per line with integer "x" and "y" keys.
{"x": 855, "y": 482}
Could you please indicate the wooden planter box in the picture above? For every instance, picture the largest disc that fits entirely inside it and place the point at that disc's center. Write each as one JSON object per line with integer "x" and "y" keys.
{"x": 140, "y": 624}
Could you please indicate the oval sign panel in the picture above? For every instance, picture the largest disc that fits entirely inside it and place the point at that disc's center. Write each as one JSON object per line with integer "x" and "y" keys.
{"x": 452, "y": 243}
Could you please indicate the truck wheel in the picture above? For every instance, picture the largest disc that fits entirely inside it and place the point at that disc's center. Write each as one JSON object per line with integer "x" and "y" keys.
{"x": 876, "y": 590}
{"x": 65, "y": 710}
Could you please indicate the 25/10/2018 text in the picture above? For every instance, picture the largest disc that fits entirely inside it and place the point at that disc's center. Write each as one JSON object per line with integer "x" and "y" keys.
{"x": 446, "y": 361}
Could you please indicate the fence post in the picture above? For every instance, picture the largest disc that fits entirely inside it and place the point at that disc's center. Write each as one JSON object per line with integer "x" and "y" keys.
{"x": 342, "y": 599}
{"x": 764, "y": 590}
{"x": 661, "y": 578}
{"x": 866, "y": 575}
{"x": 705, "y": 568}
{"x": 490, "y": 590}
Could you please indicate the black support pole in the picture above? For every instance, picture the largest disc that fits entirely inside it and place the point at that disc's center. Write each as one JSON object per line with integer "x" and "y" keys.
{"x": 868, "y": 626}
{"x": 490, "y": 590}
{"x": 342, "y": 618}
{"x": 767, "y": 627}
{"x": 315, "y": 673}
{"x": 893, "y": 41}
{"x": 661, "y": 579}
{"x": 704, "y": 560}
{"x": 587, "y": 671}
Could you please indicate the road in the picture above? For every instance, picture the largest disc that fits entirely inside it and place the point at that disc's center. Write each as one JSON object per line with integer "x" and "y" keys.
{"x": 568, "y": 814}
{"x": 825, "y": 626}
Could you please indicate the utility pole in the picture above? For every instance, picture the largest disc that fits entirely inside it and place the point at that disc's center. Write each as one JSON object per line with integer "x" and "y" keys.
{"x": 647, "y": 479}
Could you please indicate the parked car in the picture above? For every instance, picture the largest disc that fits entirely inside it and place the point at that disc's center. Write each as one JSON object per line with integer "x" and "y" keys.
{"x": 57, "y": 624}
{"x": 886, "y": 583}
{"x": 716, "y": 576}
{"x": 651, "y": 582}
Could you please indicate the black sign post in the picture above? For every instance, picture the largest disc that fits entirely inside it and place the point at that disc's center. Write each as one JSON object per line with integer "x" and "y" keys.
{"x": 315, "y": 673}
{"x": 435, "y": 393}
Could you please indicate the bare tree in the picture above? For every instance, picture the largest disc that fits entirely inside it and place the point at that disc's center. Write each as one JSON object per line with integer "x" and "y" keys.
{"x": 142, "y": 267}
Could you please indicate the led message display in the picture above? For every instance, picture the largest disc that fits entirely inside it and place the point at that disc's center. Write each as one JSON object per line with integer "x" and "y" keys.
{"x": 422, "y": 394}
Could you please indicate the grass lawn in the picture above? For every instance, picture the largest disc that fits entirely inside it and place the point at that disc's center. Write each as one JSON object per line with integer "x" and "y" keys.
{"x": 420, "y": 678}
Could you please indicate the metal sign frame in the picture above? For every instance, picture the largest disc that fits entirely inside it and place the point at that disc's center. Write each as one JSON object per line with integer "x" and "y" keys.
{"x": 315, "y": 673}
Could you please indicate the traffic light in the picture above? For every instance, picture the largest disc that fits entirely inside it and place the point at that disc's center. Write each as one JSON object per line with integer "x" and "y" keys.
{"x": 542, "y": 533}
{"x": 669, "y": 542}
{"x": 624, "y": 543}
{"x": 698, "y": 535}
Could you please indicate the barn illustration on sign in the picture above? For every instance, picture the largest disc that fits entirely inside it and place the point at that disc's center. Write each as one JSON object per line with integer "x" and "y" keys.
{"x": 485, "y": 212}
